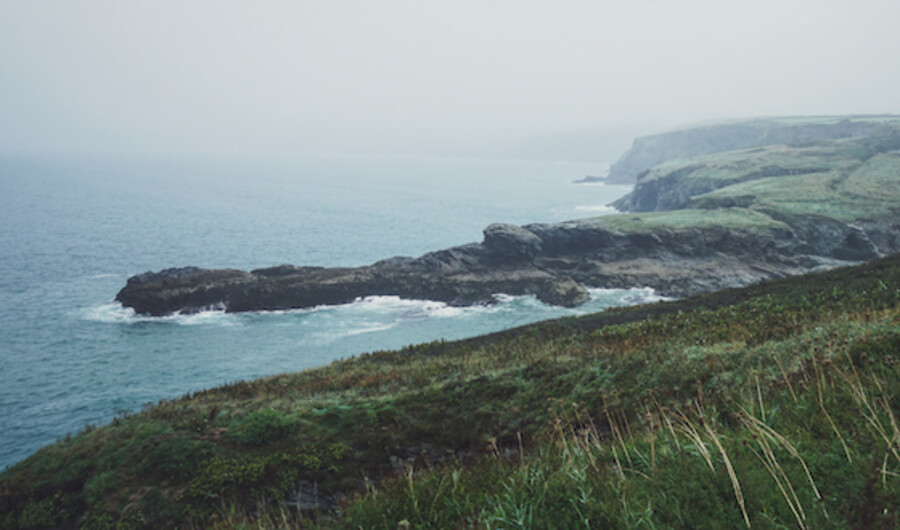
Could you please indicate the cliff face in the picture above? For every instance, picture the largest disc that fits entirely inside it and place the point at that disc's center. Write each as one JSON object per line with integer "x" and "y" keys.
{"x": 707, "y": 223}
{"x": 463, "y": 275}
{"x": 767, "y": 175}
{"x": 650, "y": 151}
{"x": 552, "y": 261}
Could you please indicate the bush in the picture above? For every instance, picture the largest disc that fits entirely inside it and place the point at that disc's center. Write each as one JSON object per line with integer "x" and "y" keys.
{"x": 260, "y": 428}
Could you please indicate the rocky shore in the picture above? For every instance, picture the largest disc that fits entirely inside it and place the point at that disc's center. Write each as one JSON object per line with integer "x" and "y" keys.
{"x": 697, "y": 225}
{"x": 555, "y": 262}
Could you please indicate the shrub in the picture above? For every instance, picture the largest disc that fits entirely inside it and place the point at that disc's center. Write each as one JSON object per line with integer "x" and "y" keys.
{"x": 260, "y": 427}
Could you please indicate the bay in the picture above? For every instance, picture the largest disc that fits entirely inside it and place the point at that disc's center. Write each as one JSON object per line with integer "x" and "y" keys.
{"x": 75, "y": 228}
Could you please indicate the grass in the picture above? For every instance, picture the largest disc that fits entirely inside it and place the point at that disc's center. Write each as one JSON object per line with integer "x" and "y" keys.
{"x": 736, "y": 166}
{"x": 847, "y": 181}
{"x": 730, "y": 218}
{"x": 775, "y": 404}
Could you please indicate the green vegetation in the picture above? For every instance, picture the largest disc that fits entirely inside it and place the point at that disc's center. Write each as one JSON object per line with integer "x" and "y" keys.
{"x": 857, "y": 183}
{"x": 684, "y": 144}
{"x": 731, "y": 218}
{"x": 774, "y": 405}
{"x": 773, "y": 187}
{"x": 736, "y": 166}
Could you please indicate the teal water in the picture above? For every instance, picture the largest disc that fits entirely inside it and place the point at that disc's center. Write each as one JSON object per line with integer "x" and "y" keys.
{"x": 74, "y": 229}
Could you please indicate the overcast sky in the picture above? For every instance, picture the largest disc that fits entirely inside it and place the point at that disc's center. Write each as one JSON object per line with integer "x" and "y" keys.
{"x": 423, "y": 76}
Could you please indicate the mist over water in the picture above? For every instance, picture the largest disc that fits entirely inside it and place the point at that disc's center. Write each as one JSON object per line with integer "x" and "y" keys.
{"x": 76, "y": 228}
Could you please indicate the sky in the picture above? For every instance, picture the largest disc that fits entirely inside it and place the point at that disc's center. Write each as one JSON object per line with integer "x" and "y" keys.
{"x": 424, "y": 76}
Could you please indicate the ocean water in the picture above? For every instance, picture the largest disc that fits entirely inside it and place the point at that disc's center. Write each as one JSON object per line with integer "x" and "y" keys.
{"x": 75, "y": 228}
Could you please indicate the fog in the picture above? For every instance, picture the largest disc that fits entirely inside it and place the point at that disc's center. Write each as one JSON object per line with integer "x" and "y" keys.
{"x": 403, "y": 77}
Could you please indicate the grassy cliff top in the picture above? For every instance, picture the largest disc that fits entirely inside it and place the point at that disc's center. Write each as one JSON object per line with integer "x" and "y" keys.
{"x": 869, "y": 190}
{"x": 653, "y": 150}
{"x": 845, "y": 180}
{"x": 731, "y": 218}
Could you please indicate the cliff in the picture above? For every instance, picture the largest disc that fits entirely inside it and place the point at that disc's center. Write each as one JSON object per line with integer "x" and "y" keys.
{"x": 706, "y": 223}
{"x": 650, "y": 151}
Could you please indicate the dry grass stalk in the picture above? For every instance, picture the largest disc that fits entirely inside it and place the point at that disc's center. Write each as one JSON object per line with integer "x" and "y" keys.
{"x": 687, "y": 427}
{"x": 785, "y": 376}
{"x": 769, "y": 432}
{"x": 858, "y": 392}
{"x": 764, "y": 436}
{"x": 735, "y": 484}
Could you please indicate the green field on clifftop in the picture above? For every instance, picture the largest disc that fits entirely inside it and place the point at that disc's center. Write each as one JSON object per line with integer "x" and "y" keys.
{"x": 847, "y": 181}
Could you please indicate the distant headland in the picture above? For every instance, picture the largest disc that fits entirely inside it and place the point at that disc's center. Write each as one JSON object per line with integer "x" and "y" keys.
{"x": 713, "y": 207}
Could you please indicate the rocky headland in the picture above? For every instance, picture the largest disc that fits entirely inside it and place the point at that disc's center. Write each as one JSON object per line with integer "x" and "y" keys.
{"x": 694, "y": 225}
{"x": 652, "y": 150}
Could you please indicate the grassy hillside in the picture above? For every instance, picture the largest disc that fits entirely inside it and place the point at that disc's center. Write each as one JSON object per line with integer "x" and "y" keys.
{"x": 854, "y": 182}
{"x": 771, "y": 406}
{"x": 654, "y": 150}
{"x": 846, "y": 180}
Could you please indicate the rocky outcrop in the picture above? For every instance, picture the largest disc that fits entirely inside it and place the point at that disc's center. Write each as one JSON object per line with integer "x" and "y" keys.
{"x": 551, "y": 261}
{"x": 511, "y": 242}
{"x": 710, "y": 228}
{"x": 649, "y": 151}
{"x": 465, "y": 275}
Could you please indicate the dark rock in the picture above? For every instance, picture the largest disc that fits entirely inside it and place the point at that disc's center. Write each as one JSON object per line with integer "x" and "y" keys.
{"x": 281, "y": 271}
{"x": 563, "y": 291}
{"x": 309, "y": 497}
{"x": 165, "y": 274}
{"x": 830, "y": 238}
{"x": 554, "y": 262}
{"x": 511, "y": 242}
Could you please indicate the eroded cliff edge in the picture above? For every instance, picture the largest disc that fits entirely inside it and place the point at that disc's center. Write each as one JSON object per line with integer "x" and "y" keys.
{"x": 702, "y": 224}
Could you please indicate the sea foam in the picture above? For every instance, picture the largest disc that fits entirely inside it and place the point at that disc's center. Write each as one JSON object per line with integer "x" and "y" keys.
{"x": 116, "y": 313}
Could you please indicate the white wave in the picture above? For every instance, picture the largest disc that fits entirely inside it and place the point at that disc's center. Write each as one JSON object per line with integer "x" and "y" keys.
{"x": 116, "y": 313}
{"x": 597, "y": 209}
{"x": 350, "y": 329}
{"x": 400, "y": 307}
{"x": 633, "y": 296}
{"x": 112, "y": 312}
{"x": 374, "y": 313}
{"x": 376, "y": 304}
{"x": 369, "y": 328}
{"x": 214, "y": 315}
{"x": 103, "y": 276}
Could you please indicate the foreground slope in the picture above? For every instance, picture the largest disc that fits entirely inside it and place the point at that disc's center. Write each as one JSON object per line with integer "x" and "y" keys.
{"x": 773, "y": 405}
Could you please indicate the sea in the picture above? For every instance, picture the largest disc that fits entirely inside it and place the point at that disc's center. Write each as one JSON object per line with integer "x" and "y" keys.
{"x": 74, "y": 228}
